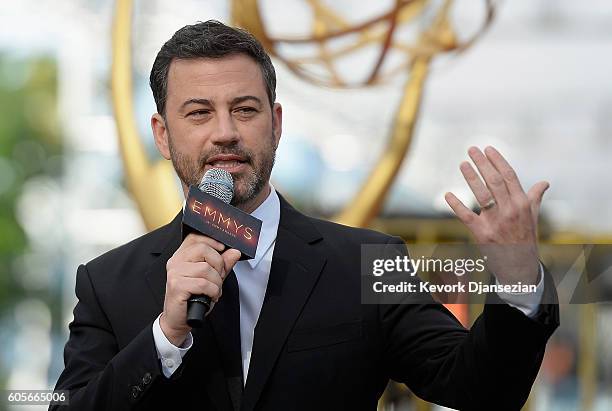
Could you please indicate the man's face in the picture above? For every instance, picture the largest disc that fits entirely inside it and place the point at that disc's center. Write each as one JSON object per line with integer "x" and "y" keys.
{"x": 218, "y": 115}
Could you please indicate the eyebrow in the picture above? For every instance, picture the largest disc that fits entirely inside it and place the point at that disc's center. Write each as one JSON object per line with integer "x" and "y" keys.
{"x": 206, "y": 102}
{"x": 242, "y": 99}
{"x": 201, "y": 101}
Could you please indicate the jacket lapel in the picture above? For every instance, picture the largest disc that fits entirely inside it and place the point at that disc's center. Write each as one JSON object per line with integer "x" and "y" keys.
{"x": 168, "y": 242}
{"x": 296, "y": 267}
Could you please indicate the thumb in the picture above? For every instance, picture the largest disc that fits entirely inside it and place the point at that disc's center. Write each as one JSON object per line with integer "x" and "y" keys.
{"x": 230, "y": 258}
{"x": 536, "y": 192}
{"x": 535, "y": 195}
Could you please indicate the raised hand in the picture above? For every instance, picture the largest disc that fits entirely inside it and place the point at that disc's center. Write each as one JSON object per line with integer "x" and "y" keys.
{"x": 506, "y": 228}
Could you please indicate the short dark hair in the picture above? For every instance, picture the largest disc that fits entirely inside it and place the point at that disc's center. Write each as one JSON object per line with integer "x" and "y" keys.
{"x": 210, "y": 39}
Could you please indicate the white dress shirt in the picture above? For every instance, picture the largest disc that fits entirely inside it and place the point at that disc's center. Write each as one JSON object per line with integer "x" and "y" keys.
{"x": 252, "y": 276}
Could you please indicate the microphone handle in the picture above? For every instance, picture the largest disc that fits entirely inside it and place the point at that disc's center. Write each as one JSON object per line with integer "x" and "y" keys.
{"x": 197, "y": 307}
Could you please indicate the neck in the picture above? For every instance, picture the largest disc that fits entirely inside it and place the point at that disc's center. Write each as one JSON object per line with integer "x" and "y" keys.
{"x": 251, "y": 205}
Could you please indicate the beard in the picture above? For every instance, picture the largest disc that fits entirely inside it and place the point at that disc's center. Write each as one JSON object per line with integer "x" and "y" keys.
{"x": 247, "y": 184}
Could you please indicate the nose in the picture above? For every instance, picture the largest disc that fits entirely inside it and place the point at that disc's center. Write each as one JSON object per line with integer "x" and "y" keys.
{"x": 225, "y": 132}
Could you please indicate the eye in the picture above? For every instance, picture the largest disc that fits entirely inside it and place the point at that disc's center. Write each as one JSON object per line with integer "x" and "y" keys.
{"x": 245, "y": 111}
{"x": 198, "y": 113}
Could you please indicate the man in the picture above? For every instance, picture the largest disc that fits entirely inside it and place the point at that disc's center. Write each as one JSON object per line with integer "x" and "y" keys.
{"x": 287, "y": 330}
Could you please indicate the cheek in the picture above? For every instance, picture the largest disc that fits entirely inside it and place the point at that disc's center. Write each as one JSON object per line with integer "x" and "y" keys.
{"x": 256, "y": 134}
{"x": 192, "y": 140}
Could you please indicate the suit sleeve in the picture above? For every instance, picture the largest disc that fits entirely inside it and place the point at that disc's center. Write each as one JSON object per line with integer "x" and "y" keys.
{"x": 491, "y": 366}
{"x": 97, "y": 374}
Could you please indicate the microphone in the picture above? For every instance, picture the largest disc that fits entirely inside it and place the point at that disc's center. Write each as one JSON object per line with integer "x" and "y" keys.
{"x": 220, "y": 184}
{"x": 208, "y": 212}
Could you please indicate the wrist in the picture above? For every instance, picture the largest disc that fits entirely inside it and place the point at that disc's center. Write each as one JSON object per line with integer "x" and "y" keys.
{"x": 175, "y": 337}
{"x": 534, "y": 277}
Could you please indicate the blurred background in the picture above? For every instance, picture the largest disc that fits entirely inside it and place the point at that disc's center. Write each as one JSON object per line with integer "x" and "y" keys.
{"x": 535, "y": 83}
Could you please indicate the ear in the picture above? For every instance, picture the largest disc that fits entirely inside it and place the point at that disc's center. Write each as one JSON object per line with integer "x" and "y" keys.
{"x": 160, "y": 134}
{"x": 277, "y": 122}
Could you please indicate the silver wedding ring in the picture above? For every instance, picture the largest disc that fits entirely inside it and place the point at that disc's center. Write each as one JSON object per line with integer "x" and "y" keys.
{"x": 489, "y": 205}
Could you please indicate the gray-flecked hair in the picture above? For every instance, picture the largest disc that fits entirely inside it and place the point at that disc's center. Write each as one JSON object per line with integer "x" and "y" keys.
{"x": 209, "y": 39}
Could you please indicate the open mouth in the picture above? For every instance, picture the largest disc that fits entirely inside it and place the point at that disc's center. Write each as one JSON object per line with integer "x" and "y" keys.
{"x": 229, "y": 162}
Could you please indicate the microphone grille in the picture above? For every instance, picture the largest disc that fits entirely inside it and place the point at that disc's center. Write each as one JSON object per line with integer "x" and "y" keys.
{"x": 218, "y": 183}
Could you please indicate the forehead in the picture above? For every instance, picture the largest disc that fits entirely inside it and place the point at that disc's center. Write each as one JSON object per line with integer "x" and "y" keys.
{"x": 215, "y": 78}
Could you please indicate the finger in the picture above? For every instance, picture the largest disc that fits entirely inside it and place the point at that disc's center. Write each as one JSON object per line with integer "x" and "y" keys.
{"x": 230, "y": 258}
{"x": 199, "y": 252}
{"x": 505, "y": 169}
{"x": 195, "y": 238}
{"x": 198, "y": 270}
{"x": 200, "y": 286}
{"x": 481, "y": 192}
{"x": 467, "y": 216}
{"x": 494, "y": 180}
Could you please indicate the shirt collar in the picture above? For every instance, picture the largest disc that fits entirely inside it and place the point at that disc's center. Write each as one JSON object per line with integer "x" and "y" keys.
{"x": 269, "y": 213}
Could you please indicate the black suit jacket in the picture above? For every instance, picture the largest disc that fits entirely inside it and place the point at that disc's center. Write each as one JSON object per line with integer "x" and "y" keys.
{"x": 316, "y": 347}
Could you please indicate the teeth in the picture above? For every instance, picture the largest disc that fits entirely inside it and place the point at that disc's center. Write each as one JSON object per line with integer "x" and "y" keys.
{"x": 225, "y": 164}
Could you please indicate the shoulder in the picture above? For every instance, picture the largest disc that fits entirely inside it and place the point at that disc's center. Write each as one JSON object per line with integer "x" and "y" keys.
{"x": 347, "y": 234}
{"x": 311, "y": 228}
